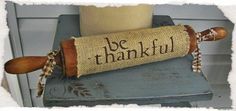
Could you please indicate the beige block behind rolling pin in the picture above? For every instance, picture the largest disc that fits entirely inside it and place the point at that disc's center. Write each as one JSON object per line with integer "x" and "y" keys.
{"x": 97, "y": 20}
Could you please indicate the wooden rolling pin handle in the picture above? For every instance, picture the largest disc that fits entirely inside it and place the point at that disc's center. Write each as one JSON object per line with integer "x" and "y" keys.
{"x": 27, "y": 64}
{"x": 212, "y": 34}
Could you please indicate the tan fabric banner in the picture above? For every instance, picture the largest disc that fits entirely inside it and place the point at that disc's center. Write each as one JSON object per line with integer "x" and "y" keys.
{"x": 124, "y": 49}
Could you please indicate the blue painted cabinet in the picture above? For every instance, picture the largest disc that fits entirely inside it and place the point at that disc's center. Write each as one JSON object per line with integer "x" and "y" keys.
{"x": 164, "y": 82}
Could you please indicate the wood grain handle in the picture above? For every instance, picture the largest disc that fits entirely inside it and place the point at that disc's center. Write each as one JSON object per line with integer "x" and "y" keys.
{"x": 27, "y": 64}
{"x": 23, "y": 65}
{"x": 213, "y": 34}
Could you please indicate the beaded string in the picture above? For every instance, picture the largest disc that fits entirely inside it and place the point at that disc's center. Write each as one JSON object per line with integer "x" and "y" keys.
{"x": 197, "y": 55}
{"x": 47, "y": 71}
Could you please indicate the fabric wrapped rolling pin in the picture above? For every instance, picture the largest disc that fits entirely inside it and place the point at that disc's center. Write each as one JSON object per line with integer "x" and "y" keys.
{"x": 98, "y": 53}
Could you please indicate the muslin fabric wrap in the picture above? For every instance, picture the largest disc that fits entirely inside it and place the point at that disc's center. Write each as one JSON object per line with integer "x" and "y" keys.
{"x": 125, "y": 49}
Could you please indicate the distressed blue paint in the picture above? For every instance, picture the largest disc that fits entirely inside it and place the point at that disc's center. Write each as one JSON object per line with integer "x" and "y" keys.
{"x": 170, "y": 81}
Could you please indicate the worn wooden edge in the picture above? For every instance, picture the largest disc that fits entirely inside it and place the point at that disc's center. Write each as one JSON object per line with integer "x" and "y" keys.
{"x": 193, "y": 39}
{"x": 70, "y": 57}
{"x": 50, "y": 102}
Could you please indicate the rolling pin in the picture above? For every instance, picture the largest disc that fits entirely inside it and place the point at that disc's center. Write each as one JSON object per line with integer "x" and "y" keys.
{"x": 98, "y": 53}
